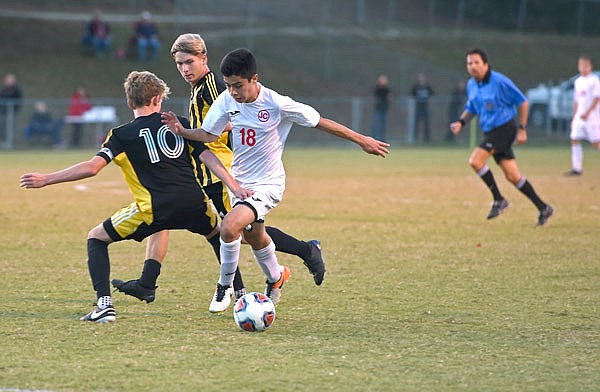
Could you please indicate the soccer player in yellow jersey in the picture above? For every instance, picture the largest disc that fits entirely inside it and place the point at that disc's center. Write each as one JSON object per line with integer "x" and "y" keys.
{"x": 190, "y": 55}
{"x": 160, "y": 171}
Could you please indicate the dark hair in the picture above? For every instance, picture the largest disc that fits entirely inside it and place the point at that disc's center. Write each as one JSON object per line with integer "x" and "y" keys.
{"x": 480, "y": 52}
{"x": 584, "y": 56}
{"x": 239, "y": 62}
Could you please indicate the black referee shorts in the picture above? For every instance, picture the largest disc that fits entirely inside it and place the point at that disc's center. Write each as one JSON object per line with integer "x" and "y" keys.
{"x": 499, "y": 141}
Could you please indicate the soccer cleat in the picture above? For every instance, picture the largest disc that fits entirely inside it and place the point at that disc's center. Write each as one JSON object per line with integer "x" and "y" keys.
{"x": 135, "y": 289}
{"x": 221, "y": 300}
{"x": 314, "y": 261}
{"x": 545, "y": 214}
{"x": 99, "y": 315}
{"x": 240, "y": 293}
{"x": 273, "y": 290}
{"x": 573, "y": 173}
{"x": 497, "y": 208}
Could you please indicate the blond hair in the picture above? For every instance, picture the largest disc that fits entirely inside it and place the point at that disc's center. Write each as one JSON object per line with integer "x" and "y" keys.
{"x": 189, "y": 43}
{"x": 141, "y": 86}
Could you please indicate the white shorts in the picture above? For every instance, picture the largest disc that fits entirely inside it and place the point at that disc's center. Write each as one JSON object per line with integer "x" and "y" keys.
{"x": 584, "y": 130}
{"x": 264, "y": 199}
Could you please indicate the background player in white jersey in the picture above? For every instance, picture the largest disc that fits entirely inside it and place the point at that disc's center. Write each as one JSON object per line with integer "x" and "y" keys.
{"x": 585, "y": 124}
{"x": 261, "y": 120}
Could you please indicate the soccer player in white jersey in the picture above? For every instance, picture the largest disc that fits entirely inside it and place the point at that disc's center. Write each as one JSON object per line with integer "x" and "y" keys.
{"x": 586, "y": 113}
{"x": 261, "y": 120}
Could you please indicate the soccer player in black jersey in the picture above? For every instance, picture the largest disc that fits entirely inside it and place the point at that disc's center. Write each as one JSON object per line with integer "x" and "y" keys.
{"x": 161, "y": 174}
{"x": 190, "y": 55}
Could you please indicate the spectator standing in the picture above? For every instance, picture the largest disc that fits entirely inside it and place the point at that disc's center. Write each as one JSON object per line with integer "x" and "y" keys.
{"x": 97, "y": 35}
{"x": 79, "y": 105}
{"x": 10, "y": 104}
{"x": 41, "y": 124}
{"x": 146, "y": 34}
{"x": 456, "y": 105}
{"x": 383, "y": 96}
{"x": 422, "y": 91}
{"x": 585, "y": 124}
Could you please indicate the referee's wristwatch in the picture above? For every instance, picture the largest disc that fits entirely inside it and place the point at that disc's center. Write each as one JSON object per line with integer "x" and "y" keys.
{"x": 522, "y": 126}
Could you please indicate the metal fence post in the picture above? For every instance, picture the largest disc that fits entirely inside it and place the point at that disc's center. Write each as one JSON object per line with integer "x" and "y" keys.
{"x": 473, "y": 133}
{"x": 410, "y": 120}
{"x": 356, "y": 113}
{"x": 10, "y": 125}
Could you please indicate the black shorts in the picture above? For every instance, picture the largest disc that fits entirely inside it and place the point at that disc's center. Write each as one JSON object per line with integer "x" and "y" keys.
{"x": 499, "y": 141}
{"x": 129, "y": 223}
{"x": 217, "y": 193}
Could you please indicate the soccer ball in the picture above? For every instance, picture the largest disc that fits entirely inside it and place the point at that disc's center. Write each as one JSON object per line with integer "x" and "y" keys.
{"x": 254, "y": 312}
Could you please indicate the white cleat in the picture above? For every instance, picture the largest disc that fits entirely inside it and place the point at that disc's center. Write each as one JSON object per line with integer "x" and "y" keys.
{"x": 221, "y": 299}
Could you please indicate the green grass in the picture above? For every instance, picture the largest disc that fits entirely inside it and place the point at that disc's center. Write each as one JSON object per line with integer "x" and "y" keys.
{"x": 422, "y": 293}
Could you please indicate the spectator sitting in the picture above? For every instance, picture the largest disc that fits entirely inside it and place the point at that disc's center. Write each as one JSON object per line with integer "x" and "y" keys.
{"x": 41, "y": 125}
{"x": 97, "y": 35}
{"x": 146, "y": 34}
{"x": 79, "y": 105}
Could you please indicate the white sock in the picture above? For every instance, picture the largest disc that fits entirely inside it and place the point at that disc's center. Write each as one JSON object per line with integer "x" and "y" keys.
{"x": 483, "y": 170}
{"x": 267, "y": 260}
{"x": 577, "y": 156}
{"x": 230, "y": 255}
{"x": 104, "y": 302}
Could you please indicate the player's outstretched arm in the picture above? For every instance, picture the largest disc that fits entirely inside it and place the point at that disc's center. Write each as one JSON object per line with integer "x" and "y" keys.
{"x": 76, "y": 172}
{"x": 171, "y": 120}
{"x": 217, "y": 167}
{"x": 367, "y": 143}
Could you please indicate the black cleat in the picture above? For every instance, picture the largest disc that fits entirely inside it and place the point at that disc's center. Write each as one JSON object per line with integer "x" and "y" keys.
{"x": 497, "y": 208}
{"x": 135, "y": 289}
{"x": 573, "y": 173}
{"x": 314, "y": 261}
{"x": 545, "y": 214}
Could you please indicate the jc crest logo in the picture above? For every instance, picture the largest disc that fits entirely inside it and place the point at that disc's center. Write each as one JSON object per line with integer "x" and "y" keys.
{"x": 263, "y": 116}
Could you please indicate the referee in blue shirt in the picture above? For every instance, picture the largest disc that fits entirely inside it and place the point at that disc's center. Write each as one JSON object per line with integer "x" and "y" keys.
{"x": 496, "y": 100}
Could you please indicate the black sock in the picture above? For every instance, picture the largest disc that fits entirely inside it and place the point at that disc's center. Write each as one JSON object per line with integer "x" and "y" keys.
{"x": 524, "y": 186}
{"x": 238, "y": 282}
{"x": 99, "y": 266}
{"x": 488, "y": 178}
{"x": 215, "y": 242}
{"x": 286, "y": 243}
{"x": 150, "y": 273}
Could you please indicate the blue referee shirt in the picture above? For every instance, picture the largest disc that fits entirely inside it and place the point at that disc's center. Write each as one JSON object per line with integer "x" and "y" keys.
{"x": 494, "y": 100}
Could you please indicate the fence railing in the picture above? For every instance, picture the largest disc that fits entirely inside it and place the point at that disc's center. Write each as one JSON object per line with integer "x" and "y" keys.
{"x": 353, "y": 111}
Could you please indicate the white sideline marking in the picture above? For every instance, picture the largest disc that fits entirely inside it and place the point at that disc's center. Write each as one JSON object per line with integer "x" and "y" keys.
{"x": 108, "y": 187}
{"x": 23, "y": 390}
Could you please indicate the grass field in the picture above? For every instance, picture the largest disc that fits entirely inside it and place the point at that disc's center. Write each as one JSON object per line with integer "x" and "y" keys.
{"x": 422, "y": 293}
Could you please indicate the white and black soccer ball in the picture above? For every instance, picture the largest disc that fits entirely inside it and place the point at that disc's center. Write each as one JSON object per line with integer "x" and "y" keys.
{"x": 254, "y": 312}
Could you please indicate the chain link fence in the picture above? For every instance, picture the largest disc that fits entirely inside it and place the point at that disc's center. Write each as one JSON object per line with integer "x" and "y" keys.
{"x": 353, "y": 111}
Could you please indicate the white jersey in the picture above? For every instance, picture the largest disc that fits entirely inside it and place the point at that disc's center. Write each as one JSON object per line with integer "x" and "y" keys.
{"x": 258, "y": 135}
{"x": 587, "y": 88}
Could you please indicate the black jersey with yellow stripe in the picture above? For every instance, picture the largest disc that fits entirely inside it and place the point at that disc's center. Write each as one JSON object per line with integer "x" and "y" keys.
{"x": 202, "y": 96}
{"x": 157, "y": 164}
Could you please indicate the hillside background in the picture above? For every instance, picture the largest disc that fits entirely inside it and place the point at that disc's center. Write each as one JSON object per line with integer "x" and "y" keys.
{"x": 311, "y": 48}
